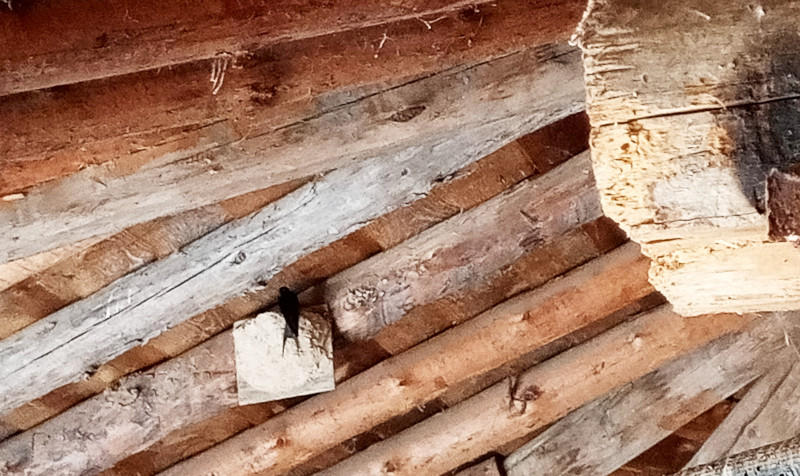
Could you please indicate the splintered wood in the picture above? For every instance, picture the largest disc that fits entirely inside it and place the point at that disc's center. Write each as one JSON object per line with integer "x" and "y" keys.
{"x": 692, "y": 104}
{"x": 270, "y": 366}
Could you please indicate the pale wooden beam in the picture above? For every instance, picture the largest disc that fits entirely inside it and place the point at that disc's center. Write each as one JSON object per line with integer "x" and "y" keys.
{"x": 778, "y": 459}
{"x": 765, "y": 415}
{"x": 378, "y": 292}
{"x": 427, "y": 370}
{"x": 539, "y": 396}
{"x": 692, "y": 103}
{"x": 603, "y": 435}
{"x": 80, "y": 275}
{"x": 235, "y": 258}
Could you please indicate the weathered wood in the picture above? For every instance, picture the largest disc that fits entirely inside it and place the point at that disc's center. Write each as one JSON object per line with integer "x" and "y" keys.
{"x": 692, "y": 104}
{"x": 237, "y": 257}
{"x": 118, "y": 38}
{"x": 467, "y": 100}
{"x": 600, "y": 437}
{"x": 775, "y": 460}
{"x": 78, "y": 276}
{"x": 138, "y": 118}
{"x": 267, "y": 371}
{"x": 765, "y": 415}
{"x": 673, "y": 452}
{"x": 441, "y": 261}
{"x": 540, "y": 395}
{"x": 425, "y": 371}
{"x": 468, "y": 188}
{"x": 449, "y": 356}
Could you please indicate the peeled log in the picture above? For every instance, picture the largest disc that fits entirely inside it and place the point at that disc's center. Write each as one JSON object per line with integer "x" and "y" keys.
{"x": 692, "y": 104}
{"x": 463, "y": 252}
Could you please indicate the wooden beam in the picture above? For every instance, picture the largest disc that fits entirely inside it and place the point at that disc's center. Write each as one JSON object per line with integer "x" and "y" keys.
{"x": 539, "y": 396}
{"x": 72, "y": 342}
{"x": 426, "y": 371}
{"x": 469, "y": 187}
{"x": 763, "y": 417}
{"x": 378, "y": 292}
{"x": 361, "y": 130}
{"x": 692, "y": 104}
{"x": 166, "y": 389}
{"x": 603, "y": 435}
{"x": 141, "y": 117}
{"x": 83, "y": 274}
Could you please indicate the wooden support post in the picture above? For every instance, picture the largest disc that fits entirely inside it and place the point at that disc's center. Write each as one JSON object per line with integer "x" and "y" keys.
{"x": 427, "y": 370}
{"x": 603, "y": 435}
{"x": 692, "y": 104}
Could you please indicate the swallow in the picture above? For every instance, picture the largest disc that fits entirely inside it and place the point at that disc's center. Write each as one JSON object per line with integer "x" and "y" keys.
{"x": 290, "y": 308}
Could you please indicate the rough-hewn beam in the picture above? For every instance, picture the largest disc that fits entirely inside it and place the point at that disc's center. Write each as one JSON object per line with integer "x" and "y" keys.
{"x": 237, "y": 257}
{"x": 600, "y": 437}
{"x": 536, "y": 398}
{"x": 16, "y": 271}
{"x": 434, "y": 264}
{"x": 764, "y": 416}
{"x": 692, "y": 104}
{"x": 98, "y": 200}
{"x": 778, "y": 459}
{"x": 427, "y": 370}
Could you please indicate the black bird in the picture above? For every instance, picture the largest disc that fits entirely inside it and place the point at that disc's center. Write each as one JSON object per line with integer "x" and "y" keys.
{"x": 290, "y": 308}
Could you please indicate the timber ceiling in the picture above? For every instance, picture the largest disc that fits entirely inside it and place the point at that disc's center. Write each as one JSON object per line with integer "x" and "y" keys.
{"x": 166, "y": 167}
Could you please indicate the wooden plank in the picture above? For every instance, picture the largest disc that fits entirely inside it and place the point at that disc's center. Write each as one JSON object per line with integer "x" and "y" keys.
{"x": 427, "y": 370}
{"x": 138, "y": 118}
{"x": 462, "y": 100}
{"x": 468, "y": 188}
{"x": 681, "y": 96}
{"x": 556, "y": 302}
{"x": 767, "y": 416}
{"x": 80, "y": 275}
{"x": 603, "y": 435}
{"x": 538, "y": 397}
{"x": 72, "y": 342}
{"x": 441, "y": 261}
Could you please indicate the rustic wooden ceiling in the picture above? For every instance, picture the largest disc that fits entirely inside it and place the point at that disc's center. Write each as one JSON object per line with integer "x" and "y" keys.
{"x": 166, "y": 167}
